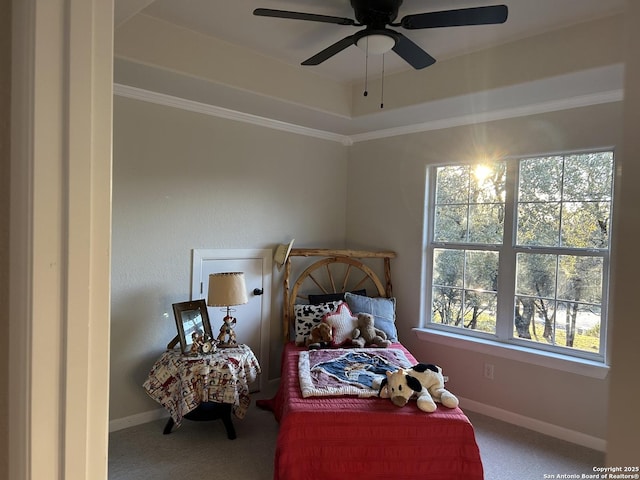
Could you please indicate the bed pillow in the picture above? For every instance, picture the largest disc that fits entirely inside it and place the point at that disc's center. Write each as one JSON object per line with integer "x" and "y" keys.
{"x": 343, "y": 323}
{"x": 382, "y": 309}
{"x": 308, "y": 316}
{"x": 331, "y": 297}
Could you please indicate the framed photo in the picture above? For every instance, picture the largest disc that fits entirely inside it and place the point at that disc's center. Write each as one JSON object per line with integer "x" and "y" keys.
{"x": 192, "y": 321}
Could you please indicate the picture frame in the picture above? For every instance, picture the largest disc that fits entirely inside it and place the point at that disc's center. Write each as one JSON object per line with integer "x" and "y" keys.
{"x": 191, "y": 318}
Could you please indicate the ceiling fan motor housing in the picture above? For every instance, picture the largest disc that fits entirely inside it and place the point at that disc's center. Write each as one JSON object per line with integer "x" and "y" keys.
{"x": 376, "y": 13}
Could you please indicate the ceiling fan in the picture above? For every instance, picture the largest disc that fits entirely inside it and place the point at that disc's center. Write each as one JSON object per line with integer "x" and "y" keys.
{"x": 376, "y": 15}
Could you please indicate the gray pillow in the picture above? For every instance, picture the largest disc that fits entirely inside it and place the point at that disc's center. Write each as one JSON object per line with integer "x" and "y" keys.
{"x": 382, "y": 309}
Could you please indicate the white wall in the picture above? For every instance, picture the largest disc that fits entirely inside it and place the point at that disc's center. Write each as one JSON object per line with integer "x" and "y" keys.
{"x": 394, "y": 171}
{"x": 184, "y": 180}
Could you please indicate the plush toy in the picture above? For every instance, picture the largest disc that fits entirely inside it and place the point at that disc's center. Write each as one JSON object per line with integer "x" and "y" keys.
{"x": 366, "y": 334}
{"x": 423, "y": 382}
{"x": 321, "y": 336}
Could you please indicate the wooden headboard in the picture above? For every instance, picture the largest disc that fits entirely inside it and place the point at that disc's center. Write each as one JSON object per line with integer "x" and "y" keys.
{"x": 337, "y": 271}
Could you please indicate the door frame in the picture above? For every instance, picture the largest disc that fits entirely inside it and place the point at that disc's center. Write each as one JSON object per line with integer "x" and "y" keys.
{"x": 266, "y": 256}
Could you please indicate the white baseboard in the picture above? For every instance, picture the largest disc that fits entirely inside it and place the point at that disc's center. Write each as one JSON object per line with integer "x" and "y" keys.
{"x": 137, "y": 419}
{"x": 539, "y": 426}
{"x": 151, "y": 415}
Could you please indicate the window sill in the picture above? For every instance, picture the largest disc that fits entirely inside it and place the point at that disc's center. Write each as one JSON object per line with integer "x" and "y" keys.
{"x": 518, "y": 353}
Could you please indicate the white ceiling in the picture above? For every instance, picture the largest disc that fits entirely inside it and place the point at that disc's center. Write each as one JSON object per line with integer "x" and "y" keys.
{"x": 293, "y": 41}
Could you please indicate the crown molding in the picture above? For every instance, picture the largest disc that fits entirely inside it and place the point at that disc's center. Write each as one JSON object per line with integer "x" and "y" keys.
{"x": 500, "y": 114}
{"x": 532, "y": 108}
{"x": 215, "y": 111}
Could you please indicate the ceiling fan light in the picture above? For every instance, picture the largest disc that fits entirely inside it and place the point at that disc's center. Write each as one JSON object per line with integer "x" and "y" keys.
{"x": 376, "y": 44}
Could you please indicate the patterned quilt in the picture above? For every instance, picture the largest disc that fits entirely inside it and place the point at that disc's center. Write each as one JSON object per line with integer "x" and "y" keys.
{"x": 354, "y": 371}
{"x": 180, "y": 383}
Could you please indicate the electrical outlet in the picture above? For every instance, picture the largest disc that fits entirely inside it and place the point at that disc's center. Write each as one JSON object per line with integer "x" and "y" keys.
{"x": 488, "y": 371}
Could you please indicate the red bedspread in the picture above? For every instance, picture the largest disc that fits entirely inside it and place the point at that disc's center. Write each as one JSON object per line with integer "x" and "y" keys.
{"x": 367, "y": 438}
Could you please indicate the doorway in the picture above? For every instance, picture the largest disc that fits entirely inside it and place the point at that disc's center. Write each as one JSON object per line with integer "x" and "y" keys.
{"x": 252, "y": 327}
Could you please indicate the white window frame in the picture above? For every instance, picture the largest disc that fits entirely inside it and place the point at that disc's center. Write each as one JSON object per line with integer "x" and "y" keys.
{"x": 504, "y": 343}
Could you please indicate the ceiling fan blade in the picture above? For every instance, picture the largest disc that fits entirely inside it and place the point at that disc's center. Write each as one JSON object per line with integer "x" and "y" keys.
{"x": 312, "y": 17}
{"x": 412, "y": 53}
{"x": 330, "y": 51}
{"x": 457, "y": 18}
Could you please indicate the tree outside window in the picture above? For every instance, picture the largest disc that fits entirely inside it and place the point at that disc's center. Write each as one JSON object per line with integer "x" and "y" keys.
{"x": 544, "y": 224}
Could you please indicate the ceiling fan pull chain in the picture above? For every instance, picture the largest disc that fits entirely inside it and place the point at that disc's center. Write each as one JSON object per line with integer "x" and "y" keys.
{"x": 382, "y": 85}
{"x": 366, "y": 69}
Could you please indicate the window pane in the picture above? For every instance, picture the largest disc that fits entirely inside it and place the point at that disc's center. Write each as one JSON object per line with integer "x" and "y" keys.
{"x": 580, "y": 278}
{"x": 451, "y": 223}
{"x": 583, "y": 185}
{"x": 452, "y": 185}
{"x": 567, "y": 315}
{"x": 447, "y": 306}
{"x": 488, "y": 183}
{"x": 448, "y": 267}
{"x": 481, "y": 271}
{"x": 536, "y": 274}
{"x": 578, "y": 326}
{"x": 486, "y": 223}
{"x": 540, "y": 179}
{"x": 588, "y": 176}
{"x": 535, "y": 317}
{"x": 538, "y": 224}
{"x": 585, "y": 224}
{"x": 480, "y": 311}
{"x": 470, "y": 204}
{"x": 478, "y": 272}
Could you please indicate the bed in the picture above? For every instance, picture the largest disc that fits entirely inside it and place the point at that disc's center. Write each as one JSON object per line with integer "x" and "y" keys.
{"x": 357, "y": 436}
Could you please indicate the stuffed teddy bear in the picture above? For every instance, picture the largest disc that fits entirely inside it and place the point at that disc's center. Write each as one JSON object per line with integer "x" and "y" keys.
{"x": 423, "y": 382}
{"x": 366, "y": 334}
{"x": 321, "y": 336}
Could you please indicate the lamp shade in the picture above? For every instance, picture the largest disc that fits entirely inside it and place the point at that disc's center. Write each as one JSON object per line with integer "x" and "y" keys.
{"x": 227, "y": 289}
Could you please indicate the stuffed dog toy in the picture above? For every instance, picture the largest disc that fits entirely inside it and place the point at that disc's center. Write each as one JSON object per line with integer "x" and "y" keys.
{"x": 423, "y": 382}
{"x": 321, "y": 336}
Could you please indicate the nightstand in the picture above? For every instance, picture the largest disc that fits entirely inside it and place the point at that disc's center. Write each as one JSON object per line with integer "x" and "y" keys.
{"x": 204, "y": 387}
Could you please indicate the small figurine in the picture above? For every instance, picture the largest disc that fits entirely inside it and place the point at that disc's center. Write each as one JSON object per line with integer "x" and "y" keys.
{"x": 227, "y": 337}
{"x": 196, "y": 342}
{"x": 202, "y": 343}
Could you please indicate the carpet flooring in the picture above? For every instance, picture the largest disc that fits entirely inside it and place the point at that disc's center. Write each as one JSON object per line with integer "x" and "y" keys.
{"x": 202, "y": 450}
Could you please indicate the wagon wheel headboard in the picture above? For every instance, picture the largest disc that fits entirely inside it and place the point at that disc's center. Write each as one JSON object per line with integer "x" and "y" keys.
{"x": 338, "y": 272}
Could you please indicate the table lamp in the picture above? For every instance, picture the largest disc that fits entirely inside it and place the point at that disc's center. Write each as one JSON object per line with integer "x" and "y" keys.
{"x": 225, "y": 290}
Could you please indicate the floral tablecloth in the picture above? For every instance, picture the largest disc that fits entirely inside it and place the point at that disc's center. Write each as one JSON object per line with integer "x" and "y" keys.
{"x": 180, "y": 383}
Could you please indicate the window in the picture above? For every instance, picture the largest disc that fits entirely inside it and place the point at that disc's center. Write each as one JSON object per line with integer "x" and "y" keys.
{"x": 519, "y": 250}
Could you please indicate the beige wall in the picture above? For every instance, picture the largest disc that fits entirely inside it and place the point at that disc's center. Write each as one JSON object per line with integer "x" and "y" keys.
{"x": 5, "y": 112}
{"x": 395, "y": 169}
{"x": 183, "y": 180}
{"x": 624, "y": 419}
